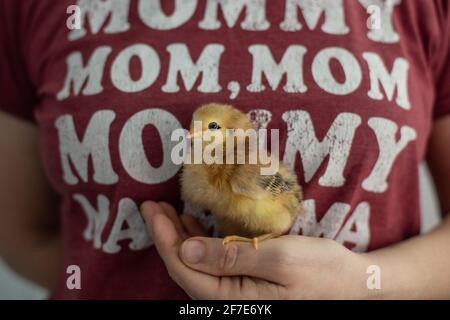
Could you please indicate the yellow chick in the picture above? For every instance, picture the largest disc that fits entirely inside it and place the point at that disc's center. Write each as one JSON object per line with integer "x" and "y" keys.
{"x": 248, "y": 205}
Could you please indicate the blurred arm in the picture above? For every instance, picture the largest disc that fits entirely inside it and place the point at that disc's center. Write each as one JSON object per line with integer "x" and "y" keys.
{"x": 29, "y": 237}
{"x": 419, "y": 268}
{"x": 439, "y": 161}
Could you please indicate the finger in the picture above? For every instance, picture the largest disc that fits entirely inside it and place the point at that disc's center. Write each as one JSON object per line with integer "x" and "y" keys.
{"x": 192, "y": 226}
{"x": 173, "y": 215}
{"x": 209, "y": 255}
{"x": 167, "y": 241}
{"x": 149, "y": 208}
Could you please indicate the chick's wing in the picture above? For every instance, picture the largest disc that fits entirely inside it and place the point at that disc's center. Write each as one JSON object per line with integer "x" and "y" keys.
{"x": 248, "y": 181}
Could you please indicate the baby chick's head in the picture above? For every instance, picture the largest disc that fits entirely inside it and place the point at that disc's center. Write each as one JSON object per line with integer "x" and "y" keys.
{"x": 215, "y": 116}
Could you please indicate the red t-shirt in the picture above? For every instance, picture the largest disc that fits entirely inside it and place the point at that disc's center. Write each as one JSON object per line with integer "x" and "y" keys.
{"x": 354, "y": 105}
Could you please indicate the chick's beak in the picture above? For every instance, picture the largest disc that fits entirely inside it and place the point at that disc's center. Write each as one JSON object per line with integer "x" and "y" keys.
{"x": 193, "y": 134}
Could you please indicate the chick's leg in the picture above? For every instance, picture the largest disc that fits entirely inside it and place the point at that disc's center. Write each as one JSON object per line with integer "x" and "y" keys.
{"x": 254, "y": 240}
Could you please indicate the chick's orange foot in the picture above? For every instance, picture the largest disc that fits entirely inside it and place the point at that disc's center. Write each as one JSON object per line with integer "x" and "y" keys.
{"x": 255, "y": 241}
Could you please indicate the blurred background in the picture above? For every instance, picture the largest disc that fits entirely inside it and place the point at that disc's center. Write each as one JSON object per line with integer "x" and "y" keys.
{"x": 13, "y": 286}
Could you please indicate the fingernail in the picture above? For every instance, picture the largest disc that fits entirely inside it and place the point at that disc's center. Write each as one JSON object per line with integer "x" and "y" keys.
{"x": 193, "y": 251}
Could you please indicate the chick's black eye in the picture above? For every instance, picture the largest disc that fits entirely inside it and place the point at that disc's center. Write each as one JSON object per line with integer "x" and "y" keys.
{"x": 213, "y": 126}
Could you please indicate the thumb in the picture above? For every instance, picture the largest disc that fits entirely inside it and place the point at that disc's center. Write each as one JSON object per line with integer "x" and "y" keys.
{"x": 210, "y": 256}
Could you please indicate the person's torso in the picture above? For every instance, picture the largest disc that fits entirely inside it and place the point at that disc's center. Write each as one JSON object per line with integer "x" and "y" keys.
{"x": 353, "y": 106}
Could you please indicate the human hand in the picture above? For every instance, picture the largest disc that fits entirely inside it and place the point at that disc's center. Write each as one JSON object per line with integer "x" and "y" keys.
{"x": 288, "y": 267}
